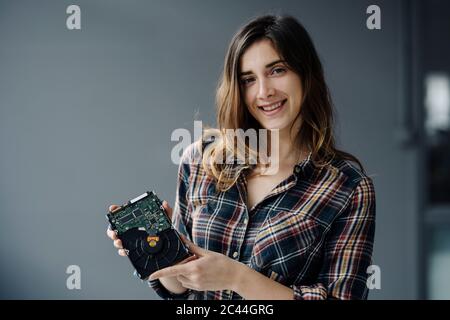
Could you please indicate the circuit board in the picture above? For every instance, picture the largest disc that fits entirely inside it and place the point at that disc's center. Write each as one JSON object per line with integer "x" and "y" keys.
{"x": 144, "y": 212}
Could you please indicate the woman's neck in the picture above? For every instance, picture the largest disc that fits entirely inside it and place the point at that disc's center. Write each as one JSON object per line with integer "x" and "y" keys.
{"x": 284, "y": 152}
{"x": 289, "y": 152}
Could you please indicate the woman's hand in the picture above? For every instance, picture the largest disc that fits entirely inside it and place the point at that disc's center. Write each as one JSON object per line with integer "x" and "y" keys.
{"x": 210, "y": 271}
{"x": 171, "y": 283}
{"x": 113, "y": 235}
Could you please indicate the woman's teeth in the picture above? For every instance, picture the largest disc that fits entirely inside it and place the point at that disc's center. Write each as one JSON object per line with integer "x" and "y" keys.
{"x": 272, "y": 106}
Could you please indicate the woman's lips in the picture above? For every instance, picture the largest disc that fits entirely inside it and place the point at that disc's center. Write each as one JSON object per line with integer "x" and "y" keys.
{"x": 271, "y": 112}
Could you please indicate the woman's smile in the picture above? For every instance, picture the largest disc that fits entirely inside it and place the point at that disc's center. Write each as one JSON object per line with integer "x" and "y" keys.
{"x": 272, "y": 109}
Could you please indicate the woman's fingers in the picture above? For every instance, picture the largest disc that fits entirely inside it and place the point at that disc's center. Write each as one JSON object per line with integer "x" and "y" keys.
{"x": 167, "y": 208}
{"x": 190, "y": 258}
{"x": 118, "y": 244}
{"x": 113, "y": 208}
{"x": 111, "y": 234}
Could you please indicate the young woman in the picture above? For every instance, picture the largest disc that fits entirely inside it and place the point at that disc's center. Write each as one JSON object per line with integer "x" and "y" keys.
{"x": 305, "y": 231}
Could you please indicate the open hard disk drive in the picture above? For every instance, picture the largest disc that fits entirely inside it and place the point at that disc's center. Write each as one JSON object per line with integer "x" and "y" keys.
{"x": 147, "y": 233}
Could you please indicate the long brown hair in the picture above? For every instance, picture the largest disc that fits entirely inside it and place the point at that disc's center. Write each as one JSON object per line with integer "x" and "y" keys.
{"x": 295, "y": 46}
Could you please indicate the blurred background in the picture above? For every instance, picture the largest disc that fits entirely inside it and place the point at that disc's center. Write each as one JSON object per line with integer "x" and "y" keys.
{"x": 86, "y": 118}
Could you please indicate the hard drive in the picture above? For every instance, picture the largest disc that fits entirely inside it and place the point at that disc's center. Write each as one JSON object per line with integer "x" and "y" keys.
{"x": 147, "y": 233}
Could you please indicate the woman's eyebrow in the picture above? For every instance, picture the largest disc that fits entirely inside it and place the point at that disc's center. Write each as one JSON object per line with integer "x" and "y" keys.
{"x": 267, "y": 66}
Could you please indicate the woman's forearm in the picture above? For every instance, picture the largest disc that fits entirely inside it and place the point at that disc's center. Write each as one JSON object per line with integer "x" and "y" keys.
{"x": 248, "y": 283}
{"x": 252, "y": 285}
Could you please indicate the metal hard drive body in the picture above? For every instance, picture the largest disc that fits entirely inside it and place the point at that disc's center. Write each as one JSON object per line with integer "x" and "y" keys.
{"x": 147, "y": 234}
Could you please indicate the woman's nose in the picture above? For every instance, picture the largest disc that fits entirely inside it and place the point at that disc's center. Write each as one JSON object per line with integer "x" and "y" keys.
{"x": 265, "y": 89}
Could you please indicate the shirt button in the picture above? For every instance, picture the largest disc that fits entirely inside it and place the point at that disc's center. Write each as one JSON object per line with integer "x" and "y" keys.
{"x": 235, "y": 254}
{"x": 297, "y": 169}
{"x": 245, "y": 220}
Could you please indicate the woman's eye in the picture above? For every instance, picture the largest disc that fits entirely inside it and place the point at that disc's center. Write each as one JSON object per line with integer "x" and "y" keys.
{"x": 278, "y": 70}
{"x": 246, "y": 81}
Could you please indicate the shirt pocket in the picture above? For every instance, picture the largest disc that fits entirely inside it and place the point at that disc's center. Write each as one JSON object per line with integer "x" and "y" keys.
{"x": 284, "y": 246}
{"x": 201, "y": 192}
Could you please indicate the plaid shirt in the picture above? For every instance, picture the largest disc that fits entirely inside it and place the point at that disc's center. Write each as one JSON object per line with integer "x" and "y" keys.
{"x": 314, "y": 232}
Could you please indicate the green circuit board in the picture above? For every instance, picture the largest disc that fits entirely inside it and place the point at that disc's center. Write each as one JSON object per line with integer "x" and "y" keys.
{"x": 144, "y": 213}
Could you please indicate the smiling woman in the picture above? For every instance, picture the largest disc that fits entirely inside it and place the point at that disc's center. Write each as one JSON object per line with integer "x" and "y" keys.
{"x": 304, "y": 232}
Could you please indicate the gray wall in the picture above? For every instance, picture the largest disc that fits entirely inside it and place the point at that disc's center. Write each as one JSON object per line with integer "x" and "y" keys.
{"x": 86, "y": 118}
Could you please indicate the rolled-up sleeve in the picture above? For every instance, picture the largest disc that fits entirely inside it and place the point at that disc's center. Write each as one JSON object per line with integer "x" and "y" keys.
{"x": 347, "y": 250}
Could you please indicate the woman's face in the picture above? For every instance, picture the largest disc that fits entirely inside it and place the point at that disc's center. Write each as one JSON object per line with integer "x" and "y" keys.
{"x": 272, "y": 92}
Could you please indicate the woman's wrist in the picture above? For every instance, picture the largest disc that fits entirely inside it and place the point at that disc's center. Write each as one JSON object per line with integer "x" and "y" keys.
{"x": 238, "y": 277}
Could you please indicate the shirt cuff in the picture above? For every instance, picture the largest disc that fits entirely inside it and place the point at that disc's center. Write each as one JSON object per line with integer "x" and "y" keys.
{"x": 167, "y": 295}
{"x": 313, "y": 292}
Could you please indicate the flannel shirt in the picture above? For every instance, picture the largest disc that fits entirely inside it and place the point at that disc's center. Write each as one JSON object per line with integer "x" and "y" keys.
{"x": 313, "y": 232}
